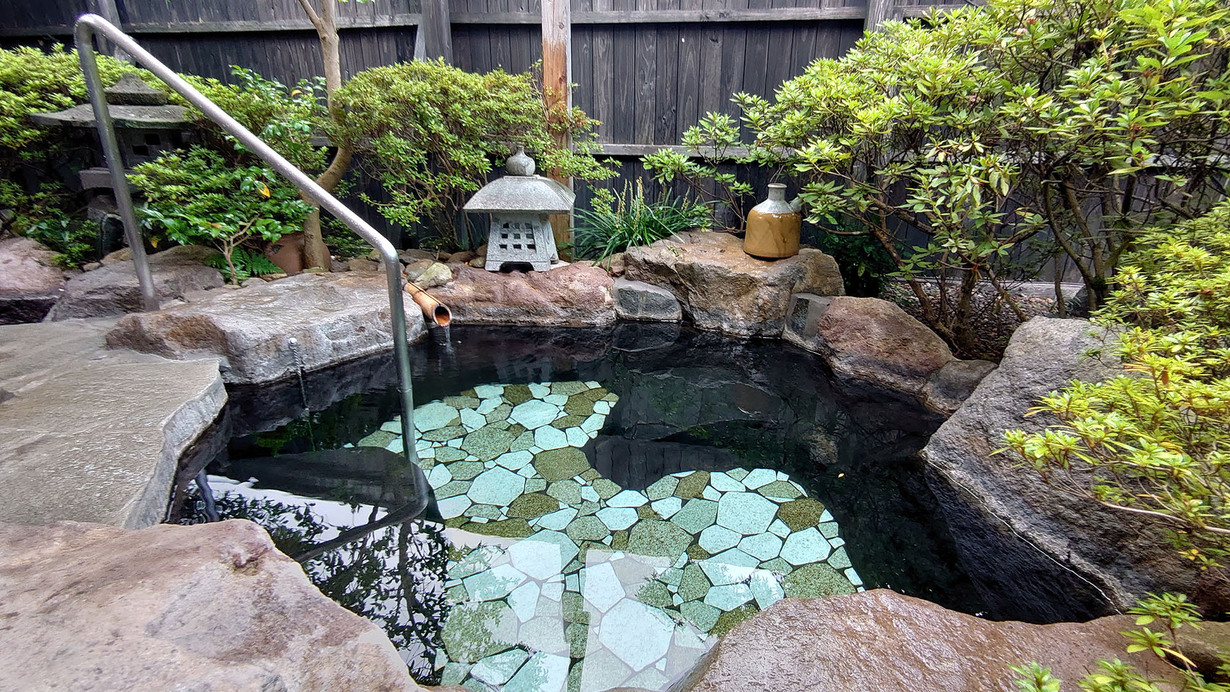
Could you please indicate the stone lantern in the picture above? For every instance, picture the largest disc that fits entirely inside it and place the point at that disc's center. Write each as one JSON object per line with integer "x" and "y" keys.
{"x": 519, "y": 204}
{"x": 145, "y": 125}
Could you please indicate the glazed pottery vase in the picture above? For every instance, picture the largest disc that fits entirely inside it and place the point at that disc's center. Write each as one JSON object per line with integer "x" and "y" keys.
{"x": 773, "y": 227}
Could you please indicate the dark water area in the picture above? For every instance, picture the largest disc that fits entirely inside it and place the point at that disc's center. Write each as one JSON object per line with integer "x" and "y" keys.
{"x": 691, "y": 400}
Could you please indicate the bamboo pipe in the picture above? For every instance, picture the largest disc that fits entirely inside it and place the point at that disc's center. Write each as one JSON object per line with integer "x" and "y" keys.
{"x": 432, "y": 309}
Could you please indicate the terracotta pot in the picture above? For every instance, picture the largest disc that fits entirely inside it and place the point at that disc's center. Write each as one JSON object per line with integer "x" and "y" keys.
{"x": 773, "y": 227}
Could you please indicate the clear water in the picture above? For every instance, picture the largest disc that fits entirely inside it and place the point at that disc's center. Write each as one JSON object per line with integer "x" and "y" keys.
{"x": 608, "y": 503}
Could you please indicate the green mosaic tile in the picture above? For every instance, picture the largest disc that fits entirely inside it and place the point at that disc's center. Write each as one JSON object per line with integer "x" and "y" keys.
{"x": 662, "y": 538}
{"x": 445, "y": 434}
{"x": 453, "y": 488}
{"x": 704, "y": 617}
{"x": 654, "y": 593}
{"x": 590, "y": 475}
{"x": 487, "y": 442}
{"x": 692, "y": 485}
{"x": 779, "y": 490}
{"x": 380, "y": 438}
{"x": 460, "y": 402}
{"x": 559, "y": 464}
{"x": 517, "y": 393}
{"x": 499, "y": 413}
{"x": 445, "y": 454}
{"x": 606, "y": 489}
{"x": 728, "y": 620}
{"x": 508, "y": 528}
{"x": 567, "y": 491}
{"x": 816, "y": 580}
{"x": 466, "y": 470}
{"x": 839, "y": 559}
{"x": 800, "y": 514}
{"x": 587, "y": 529}
{"x": 532, "y": 505}
{"x": 568, "y": 421}
{"x": 693, "y": 584}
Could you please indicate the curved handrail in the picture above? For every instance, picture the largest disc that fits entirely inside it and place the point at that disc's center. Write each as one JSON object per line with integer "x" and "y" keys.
{"x": 90, "y": 24}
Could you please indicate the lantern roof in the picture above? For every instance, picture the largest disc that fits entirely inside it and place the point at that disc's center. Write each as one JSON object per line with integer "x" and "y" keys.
{"x": 522, "y": 191}
{"x": 132, "y": 104}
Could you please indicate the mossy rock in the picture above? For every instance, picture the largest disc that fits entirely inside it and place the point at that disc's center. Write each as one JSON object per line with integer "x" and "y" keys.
{"x": 816, "y": 580}
{"x": 560, "y": 464}
{"x": 532, "y": 505}
{"x": 801, "y": 513}
{"x": 728, "y": 620}
{"x": 692, "y": 485}
{"x": 517, "y": 393}
{"x": 507, "y": 528}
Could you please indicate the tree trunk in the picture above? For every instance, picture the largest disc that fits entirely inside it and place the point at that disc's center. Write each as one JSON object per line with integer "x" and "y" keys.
{"x": 315, "y": 252}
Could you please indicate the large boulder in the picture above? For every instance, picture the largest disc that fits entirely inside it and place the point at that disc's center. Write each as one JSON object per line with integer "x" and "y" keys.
{"x": 881, "y": 641}
{"x": 868, "y": 340}
{"x": 573, "y": 295}
{"x": 30, "y": 282}
{"x": 114, "y": 290}
{"x": 724, "y": 289}
{"x": 332, "y": 317}
{"x": 998, "y": 506}
{"x": 206, "y": 607}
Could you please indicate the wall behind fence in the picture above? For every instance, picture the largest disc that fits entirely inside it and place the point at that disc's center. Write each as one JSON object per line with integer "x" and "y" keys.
{"x": 647, "y": 69}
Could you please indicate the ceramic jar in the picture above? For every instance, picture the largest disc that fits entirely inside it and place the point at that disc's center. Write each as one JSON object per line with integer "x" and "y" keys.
{"x": 773, "y": 227}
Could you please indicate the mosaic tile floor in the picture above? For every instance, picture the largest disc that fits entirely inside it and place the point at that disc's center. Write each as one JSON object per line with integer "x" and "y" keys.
{"x": 601, "y": 586}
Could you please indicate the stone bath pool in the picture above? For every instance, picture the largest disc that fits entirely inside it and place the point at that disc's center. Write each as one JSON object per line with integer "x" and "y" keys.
{"x": 605, "y": 503}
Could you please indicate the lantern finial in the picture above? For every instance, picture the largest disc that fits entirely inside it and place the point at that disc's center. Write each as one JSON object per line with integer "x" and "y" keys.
{"x": 519, "y": 163}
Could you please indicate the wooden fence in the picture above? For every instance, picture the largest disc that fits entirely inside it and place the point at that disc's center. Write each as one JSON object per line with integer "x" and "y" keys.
{"x": 647, "y": 69}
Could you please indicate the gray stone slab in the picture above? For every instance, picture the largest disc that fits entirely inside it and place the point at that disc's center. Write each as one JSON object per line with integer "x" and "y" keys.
{"x": 92, "y": 435}
{"x": 642, "y": 301}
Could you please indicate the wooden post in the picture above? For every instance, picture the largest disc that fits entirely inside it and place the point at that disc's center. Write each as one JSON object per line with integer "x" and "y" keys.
{"x": 435, "y": 34}
{"x": 108, "y": 11}
{"x": 878, "y": 12}
{"x": 557, "y": 86}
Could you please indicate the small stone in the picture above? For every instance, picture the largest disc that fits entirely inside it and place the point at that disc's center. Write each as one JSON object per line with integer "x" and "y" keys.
{"x": 507, "y": 528}
{"x": 517, "y": 394}
{"x": 434, "y": 416}
{"x": 524, "y": 600}
{"x": 540, "y": 390}
{"x": 557, "y": 521}
{"x": 636, "y": 633}
{"x": 716, "y": 538}
{"x": 534, "y": 413}
{"x": 542, "y": 672}
{"x": 588, "y": 494}
{"x": 466, "y": 470}
{"x": 730, "y": 567}
{"x": 567, "y": 491}
{"x": 779, "y": 528}
{"x": 461, "y": 402}
{"x": 601, "y": 586}
{"x": 576, "y": 437}
{"x": 453, "y": 506}
{"x": 496, "y": 670}
{"x": 828, "y": 529}
{"x": 759, "y": 477}
{"x": 765, "y": 589}
{"x": 711, "y": 493}
{"x": 487, "y": 442}
{"x": 539, "y": 559}
{"x": 455, "y": 488}
{"x": 380, "y": 438}
{"x": 471, "y": 420}
{"x": 499, "y": 413}
{"x": 453, "y": 435}
{"x": 815, "y": 581}
{"x": 654, "y": 593}
{"x": 489, "y": 391}
{"x": 724, "y": 483}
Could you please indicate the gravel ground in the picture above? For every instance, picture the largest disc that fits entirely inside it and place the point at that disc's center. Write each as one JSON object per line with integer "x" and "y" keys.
{"x": 993, "y": 321}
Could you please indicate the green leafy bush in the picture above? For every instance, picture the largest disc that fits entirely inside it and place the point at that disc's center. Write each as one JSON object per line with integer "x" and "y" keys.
{"x": 1156, "y": 440}
{"x": 1172, "y": 612}
{"x": 863, "y": 262}
{"x": 432, "y": 131}
{"x": 36, "y": 81}
{"x": 73, "y": 240}
{"x": 617, "y": 221}
{"x": 709, "y": 142}
{"x": 196, "y": 197}
{"x": 956, "y": 140}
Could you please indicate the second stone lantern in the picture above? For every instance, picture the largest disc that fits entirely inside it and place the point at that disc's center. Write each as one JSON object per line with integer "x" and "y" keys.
{"x": 520, "y": 204}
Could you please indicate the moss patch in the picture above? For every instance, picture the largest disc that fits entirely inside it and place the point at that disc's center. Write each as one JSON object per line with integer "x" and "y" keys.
{"x": 800, "y": 514}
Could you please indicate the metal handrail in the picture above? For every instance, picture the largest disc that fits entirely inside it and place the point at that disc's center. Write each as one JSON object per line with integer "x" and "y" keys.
{"x": 90, "y": 24}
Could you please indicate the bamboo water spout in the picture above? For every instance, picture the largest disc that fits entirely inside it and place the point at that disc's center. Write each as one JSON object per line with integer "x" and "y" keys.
{"x": 432, "y": 309}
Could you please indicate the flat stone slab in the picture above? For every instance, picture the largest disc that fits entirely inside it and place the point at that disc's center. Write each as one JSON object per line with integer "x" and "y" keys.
{"x": 573, "y": 295}
{"x": 212, "y": 606}
{"x": 88, "y": 435}
{"x": 644, "y": 302}
{"x": 722, "y": 288}
{"x": 880, "y": 640}
{"x": 333, "y": 317}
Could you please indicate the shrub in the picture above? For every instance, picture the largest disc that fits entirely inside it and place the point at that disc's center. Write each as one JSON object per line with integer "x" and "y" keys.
{"x": 196, "y": 197}
{"x": 617, "y": 221}
{"x": 957, "y": 140}
{"x": 34, "y": 81}
{"x": 73, "y": 240}
{"x": 1156, "y": 440}
{"x": 432, "y": 132}
{"x": 709, "y": 142}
